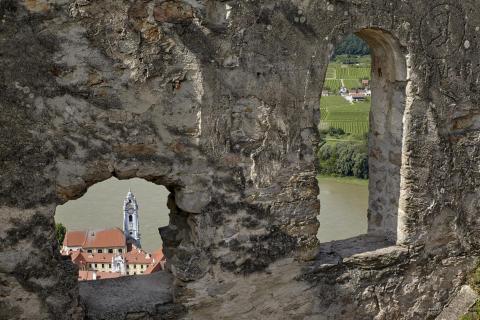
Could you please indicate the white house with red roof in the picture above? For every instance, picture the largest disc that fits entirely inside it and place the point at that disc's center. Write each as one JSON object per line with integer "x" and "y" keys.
{"x": 95, "y": 241}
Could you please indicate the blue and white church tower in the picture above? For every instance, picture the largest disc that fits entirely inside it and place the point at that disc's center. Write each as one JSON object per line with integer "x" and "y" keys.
{"x": 130, "y": 220}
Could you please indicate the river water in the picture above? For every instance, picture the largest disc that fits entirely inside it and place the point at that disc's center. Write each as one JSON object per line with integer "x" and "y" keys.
{"x": 343, "y": 209}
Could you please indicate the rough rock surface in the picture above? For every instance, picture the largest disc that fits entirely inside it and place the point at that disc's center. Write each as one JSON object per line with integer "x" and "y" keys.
{"x": 460, "y": 304}
{"x": 219, "y": 102}
{"x": 129, "y": 297}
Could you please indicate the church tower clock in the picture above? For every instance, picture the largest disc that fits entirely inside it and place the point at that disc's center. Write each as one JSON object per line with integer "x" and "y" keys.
{"x": 130, "y": 219}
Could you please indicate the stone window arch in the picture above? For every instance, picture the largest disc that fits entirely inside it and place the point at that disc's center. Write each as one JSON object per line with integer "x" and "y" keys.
{"x": 155, "y": 288}
{"x": 386, "y": 133}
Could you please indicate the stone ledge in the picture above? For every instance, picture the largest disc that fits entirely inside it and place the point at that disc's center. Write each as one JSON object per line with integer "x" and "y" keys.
{"x": 127, "y": 297}
{"x": 364, "y": 251}
{"x": 380, "y": 258}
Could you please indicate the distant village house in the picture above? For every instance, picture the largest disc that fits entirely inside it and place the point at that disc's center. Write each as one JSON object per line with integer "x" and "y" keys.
{"x": 355, "y": 97}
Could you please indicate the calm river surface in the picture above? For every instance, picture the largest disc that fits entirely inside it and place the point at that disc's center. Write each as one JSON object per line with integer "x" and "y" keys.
{"x": 343, "y": 212}
{"x": 343, "y": 209}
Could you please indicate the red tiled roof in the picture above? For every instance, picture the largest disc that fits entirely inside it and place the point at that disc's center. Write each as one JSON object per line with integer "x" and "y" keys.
{"x": 74, "y": 238}
{"x": 88, "y": 275}
{"x": 78, "y": 258}
{"x": 138, "y": 256}
{"x": 357, "y": 95}
{"x": 158, "y": 255}
{"x": 97, "y": 257}
{"x": 157, "y": 266}
{"x": 106, "y": 238}
{"x": 159, "y": 261}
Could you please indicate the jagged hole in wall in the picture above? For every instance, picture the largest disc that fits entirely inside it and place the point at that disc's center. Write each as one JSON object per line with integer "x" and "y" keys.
{"x": 361, "y": 128}
{"x": 108, "y": 210}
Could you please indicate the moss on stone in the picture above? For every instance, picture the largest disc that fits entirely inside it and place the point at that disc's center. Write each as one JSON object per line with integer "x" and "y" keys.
{"x": 474, "y": 313}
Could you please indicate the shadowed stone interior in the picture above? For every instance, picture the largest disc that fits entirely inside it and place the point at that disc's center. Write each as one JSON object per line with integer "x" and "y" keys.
{"x": 219, "y": 102}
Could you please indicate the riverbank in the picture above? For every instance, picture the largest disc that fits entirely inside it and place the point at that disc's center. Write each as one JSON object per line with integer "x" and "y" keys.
{"x": 346, "y": 180}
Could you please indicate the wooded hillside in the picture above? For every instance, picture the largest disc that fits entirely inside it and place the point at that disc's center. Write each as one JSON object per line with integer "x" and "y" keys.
{"x": 352, "y": 45}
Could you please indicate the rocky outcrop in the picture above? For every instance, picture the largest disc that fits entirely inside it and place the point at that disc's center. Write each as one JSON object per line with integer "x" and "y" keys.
{"x": 219, "y": 102}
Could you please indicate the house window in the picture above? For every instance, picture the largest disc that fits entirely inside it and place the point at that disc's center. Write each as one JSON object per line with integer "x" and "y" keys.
{"x": 120, "y": 250}
{"x": 110, "y": 250}
{"x": 103, "y": 266}
{"x": 94, "y": 265}
{"x": 100, "y": 251}
{"x": 130, "y": 218}
{"x": 110, "y": 265}
{"x": 89, "y": 250}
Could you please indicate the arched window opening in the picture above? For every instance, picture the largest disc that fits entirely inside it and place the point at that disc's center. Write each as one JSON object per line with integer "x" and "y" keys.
{"x": 361, "y": 129}
{"x": 99, "y": 228}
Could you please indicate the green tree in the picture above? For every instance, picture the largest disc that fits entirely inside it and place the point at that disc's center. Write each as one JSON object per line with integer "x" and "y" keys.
{"x": 325, "y": 152}
{"x": 345, "y": 161}
{"x": 60, "y": 232}
{"x": 352, "y": 45}
{"x": 329, "y": 167}
{"x": 360, "y": 166}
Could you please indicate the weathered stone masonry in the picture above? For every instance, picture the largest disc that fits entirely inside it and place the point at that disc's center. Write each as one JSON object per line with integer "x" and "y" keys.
{"x": 218, "y": 101}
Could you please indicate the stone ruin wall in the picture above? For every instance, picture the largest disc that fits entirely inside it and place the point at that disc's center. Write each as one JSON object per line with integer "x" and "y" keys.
{"x": 219, "y": 102}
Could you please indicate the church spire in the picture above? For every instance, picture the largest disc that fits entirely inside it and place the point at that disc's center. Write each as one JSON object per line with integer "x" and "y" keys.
{"x": 130, "y": 219}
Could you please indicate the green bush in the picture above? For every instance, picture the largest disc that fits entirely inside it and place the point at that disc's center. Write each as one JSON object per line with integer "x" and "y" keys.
{"x": 345, "y": 159}
{"x": 360, "y": 167}
{"x": 325, "y": 152}
{"x": 336, "y": 132}
{"x": 60, "y": 232}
